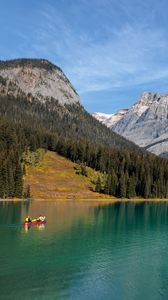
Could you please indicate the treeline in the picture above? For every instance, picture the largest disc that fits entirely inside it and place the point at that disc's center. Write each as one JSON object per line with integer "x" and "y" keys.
{"x": 26, "y": 62}
{"x": 11, "y": 171}
{"x": 73, "y": 133}
{"x": 128, "y": 174}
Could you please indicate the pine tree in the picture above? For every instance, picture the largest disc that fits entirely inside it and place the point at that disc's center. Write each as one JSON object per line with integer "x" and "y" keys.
{"x": 11, "y": 179}
{"x": 154, "y": 190}
{"x": 27, "y": 193}
{"x": 18, "y": 181}
{"x": 107, "y": 185}
{"x": 83, "y": 170}
{"x": 113, "y": 183}
{"x": 122, "y": 186}
{"x": 5, "y": 187}
{"x": 147, "y": 190}
{"x": 98, "y": 185}
{"x": 131, "y": 187}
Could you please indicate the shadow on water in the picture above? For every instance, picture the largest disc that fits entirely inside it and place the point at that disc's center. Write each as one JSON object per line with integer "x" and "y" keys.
{"x": 11, "y": 212}
{"x": 127, "y": 216}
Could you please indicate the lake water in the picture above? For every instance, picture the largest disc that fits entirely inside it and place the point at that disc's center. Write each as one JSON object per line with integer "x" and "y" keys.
{"x": 85, "y": 251}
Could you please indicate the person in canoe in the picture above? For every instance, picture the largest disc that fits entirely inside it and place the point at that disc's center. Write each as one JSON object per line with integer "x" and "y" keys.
{"x": 40, "y": 218}
{"x": 28, "y": 219}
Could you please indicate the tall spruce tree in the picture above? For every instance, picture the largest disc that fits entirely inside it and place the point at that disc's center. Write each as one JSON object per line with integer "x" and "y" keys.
{"x": 18, "y": 181}
{"x": 98, "y": 185}
{"x": 113, "y": 183}
{"x": 131, "y": 187}
{"x": 27, "y": 193}
{"x": 122, "y": 186}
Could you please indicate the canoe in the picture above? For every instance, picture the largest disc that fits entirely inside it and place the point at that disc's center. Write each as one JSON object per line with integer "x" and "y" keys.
{"x": 34, "y": 223}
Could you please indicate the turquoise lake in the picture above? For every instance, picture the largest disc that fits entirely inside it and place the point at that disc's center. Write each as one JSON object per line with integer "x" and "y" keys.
{"x": 85, "y": 251}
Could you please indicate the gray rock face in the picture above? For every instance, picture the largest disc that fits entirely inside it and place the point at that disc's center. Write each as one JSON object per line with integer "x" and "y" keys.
{"x": 39, "y": 78}
{"x": 146, "y": 123}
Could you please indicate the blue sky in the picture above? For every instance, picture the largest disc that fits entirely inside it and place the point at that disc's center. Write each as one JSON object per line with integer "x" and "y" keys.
{"x": 112, "y": 51}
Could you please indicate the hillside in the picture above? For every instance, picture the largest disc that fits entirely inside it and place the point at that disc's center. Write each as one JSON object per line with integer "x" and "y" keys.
{"x": 56, "y": 178}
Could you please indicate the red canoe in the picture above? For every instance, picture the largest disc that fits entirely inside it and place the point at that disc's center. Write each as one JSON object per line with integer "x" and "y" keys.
{"x": 34, "y": 223}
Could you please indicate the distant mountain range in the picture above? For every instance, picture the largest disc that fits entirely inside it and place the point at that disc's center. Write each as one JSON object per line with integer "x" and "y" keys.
{"x": 145, "y": 123}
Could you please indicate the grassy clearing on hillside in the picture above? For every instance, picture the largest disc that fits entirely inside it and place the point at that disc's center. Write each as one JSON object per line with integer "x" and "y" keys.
{"x": 55, "y": 177}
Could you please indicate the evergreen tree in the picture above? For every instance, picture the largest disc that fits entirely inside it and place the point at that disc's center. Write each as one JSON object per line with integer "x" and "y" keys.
{"x": 122, "y": 186}
{"x": 27, "y": 193}
{"x": 107, "y": 185}
{"x": 83, "y": 170}
{"x": 154, "y": 190}
{"x": 113, "y": 184}
{"x": 131, "y": 187}
{"x": 98, "y": 185}
{"x": 147, "y": 190}
{"x": 5, "y": 187}
{"x": 11, "y": 182}
{"x": 18, "y": 181}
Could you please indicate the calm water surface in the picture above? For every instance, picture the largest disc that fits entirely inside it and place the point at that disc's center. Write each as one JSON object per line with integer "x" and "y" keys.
{"x": 85, "y": 251}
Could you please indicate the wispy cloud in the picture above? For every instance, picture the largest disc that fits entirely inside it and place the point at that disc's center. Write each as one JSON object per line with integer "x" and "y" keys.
{"x": 111, "y": 54}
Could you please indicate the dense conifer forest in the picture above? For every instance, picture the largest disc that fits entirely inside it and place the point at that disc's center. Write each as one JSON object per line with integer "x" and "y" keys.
{"x": 75, "y": 134}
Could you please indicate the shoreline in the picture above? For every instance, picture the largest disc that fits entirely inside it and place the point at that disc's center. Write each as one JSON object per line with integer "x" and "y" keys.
{"x": 99, "y": 200}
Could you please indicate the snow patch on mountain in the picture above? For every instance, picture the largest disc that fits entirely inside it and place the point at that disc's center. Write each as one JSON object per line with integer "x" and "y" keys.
{"x": 109, "y": 119}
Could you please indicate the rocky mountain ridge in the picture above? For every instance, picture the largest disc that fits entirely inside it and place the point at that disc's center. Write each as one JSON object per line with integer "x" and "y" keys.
{"x": 37, "y": 78}
{"x": 146, "y": 123}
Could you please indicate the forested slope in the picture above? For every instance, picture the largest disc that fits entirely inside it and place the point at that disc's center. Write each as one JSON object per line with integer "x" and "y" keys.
{"x": 75, "y": 134}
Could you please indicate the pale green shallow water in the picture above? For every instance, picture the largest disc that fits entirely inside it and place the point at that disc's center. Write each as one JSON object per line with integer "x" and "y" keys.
{"x": 85, "y": 251}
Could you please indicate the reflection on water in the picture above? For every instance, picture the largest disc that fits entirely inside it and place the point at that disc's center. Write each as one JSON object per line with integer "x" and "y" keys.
{"x": 121, "y": 214}
{"x": 85, "y": 251}
{"x": 27, "y": 227}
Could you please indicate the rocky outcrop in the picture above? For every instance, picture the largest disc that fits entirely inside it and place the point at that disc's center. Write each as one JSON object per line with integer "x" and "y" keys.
{"x": 38, "y": 78}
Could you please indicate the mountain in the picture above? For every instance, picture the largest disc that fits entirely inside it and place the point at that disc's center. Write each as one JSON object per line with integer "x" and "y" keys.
{"x": 110, "y": 119}
{"x": 145, "y": 123}
{"x": 38, "y": 78}
{"x": 42, "y": 84}
{"x": 47, "y": 116}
